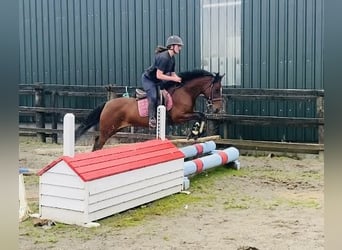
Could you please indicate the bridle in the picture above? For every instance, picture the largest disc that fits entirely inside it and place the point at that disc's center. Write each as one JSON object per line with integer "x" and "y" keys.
{"x": 211, "y": 100}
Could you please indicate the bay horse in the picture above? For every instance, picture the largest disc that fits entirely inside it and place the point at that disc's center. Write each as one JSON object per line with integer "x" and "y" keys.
{"x": 122, "y": 112}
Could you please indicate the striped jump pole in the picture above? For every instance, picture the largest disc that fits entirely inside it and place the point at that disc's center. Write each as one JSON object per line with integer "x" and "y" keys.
{"x": 198, "y": 149}
{"x": 220, "y": 157}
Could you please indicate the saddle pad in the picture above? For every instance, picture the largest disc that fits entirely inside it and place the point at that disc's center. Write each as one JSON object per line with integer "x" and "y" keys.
{"x": 143, "y": 105}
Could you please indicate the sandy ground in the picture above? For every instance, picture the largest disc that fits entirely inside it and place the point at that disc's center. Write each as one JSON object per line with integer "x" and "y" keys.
{"x": 277, "y": 204}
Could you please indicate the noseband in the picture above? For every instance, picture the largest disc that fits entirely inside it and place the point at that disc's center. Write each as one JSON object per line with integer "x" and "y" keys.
{"x": 211, "y": 100}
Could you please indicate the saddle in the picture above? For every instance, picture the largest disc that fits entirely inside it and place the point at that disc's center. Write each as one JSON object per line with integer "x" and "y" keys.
{"x": 140, "y": 96}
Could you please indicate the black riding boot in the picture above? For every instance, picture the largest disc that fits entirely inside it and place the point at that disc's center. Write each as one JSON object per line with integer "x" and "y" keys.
{"x": 152, "y": 115}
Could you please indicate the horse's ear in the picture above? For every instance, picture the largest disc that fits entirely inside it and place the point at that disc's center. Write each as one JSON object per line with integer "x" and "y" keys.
{"x": 217, "y": 77}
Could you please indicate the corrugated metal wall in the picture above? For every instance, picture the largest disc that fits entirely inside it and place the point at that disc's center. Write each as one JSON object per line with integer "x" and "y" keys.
{"x": 282, "y": 48}
{"x": 97, "y": 42}
{"x": 282, "y": 44}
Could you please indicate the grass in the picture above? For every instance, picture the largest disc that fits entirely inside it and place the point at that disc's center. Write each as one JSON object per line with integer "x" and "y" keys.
{"x": 166, "y": 206}
{"x": 31, "y": 180}
{"x": 234, "y": 203}
{"x": 306, "y": 203}
{"x": 279, "y": 175}
{"x": 34, "y": 142}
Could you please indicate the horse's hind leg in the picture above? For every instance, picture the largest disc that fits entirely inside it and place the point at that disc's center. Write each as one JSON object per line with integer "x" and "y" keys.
{"x": 99, "y": 142}
{"x": 96, "y": 142}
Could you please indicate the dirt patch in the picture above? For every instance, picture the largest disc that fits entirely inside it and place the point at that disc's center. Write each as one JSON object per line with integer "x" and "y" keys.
{"x": 270, "y": 203}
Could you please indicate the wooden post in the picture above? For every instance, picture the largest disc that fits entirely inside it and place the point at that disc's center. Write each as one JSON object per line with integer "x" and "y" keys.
{"x": 227, "y": 123}
{"x": 225, "y": 130}
{"x": 54, "y": 118}
{"x": 213, "y": 127}
{"x": 40, "y": 118}
{"x": 320, "y": 114}
{"x": 110, "y": 92}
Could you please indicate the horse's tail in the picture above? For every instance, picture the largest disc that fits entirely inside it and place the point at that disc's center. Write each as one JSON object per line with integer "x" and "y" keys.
{"x": 92, "y": 119}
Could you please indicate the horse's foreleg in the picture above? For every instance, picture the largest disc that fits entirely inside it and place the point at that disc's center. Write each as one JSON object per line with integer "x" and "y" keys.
{"x": 101, "y": 139}
{"x": 198, "y": 127}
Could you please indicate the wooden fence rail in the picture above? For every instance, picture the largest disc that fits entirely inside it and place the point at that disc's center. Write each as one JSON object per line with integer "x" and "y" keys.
{"x": 232, "y": 95}
{"x": 41, "y": 109}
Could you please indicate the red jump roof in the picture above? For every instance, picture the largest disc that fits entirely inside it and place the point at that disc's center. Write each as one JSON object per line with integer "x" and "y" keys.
{"x": 109, "y": 161}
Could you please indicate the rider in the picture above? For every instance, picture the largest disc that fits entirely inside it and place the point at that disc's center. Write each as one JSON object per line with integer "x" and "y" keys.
{"x": 162, "y": 70}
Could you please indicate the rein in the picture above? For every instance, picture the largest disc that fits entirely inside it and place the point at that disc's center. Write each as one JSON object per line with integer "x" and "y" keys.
{"x": 177, "y": 87}
{"x": 210, "y": 100}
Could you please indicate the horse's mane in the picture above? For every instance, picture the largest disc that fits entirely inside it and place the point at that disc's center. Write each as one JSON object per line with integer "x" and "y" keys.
{"x": 189, "y": 75}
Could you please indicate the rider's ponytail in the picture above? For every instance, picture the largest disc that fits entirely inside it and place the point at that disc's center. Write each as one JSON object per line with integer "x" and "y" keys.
{"x": 160, "y": 49}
